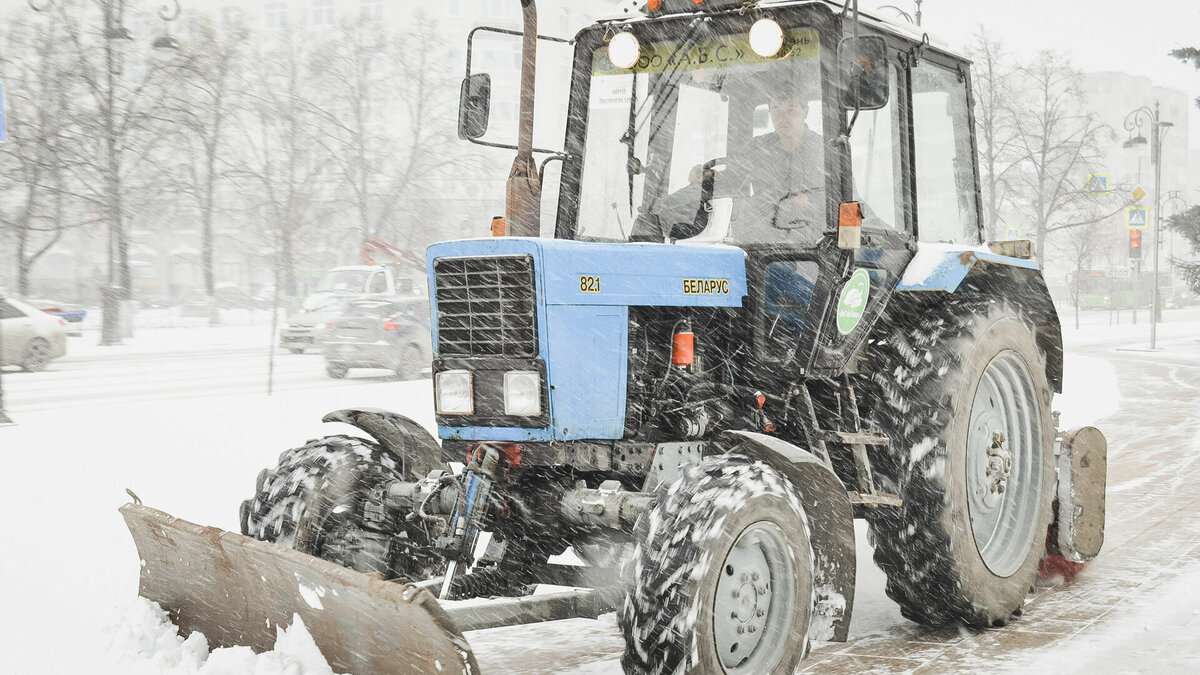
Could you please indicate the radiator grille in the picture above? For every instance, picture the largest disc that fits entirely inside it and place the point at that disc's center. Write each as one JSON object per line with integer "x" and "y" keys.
{"x": 485, "y": 306}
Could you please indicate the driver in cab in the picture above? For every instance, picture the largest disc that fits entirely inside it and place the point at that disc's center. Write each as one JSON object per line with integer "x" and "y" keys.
{"x": 785, "y": 173}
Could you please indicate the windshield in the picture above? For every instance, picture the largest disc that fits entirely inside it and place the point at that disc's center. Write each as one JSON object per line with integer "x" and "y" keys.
{"x": 704, "y": 140}
{"x": 351, "y": 281}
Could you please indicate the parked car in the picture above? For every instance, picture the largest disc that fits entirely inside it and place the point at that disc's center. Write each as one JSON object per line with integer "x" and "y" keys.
{"x": 72, "y": 314}
{"x": 29, "y": 337}
{"x": 380, "y": 333}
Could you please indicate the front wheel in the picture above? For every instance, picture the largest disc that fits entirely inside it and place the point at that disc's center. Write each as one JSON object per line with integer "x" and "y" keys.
{"x": 314, "y": 500}
{"x": 37, "y": 355}
{"x": 722, "y": 577}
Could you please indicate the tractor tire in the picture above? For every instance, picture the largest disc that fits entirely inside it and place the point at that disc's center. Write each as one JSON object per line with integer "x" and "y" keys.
{"x": 965, "y": 399}
{"x": 721, "y": 581}
{"x": 313, "y": 502}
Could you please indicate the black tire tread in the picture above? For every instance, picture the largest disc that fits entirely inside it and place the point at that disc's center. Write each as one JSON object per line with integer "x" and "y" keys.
{"x": 910, "y": 404}
{"x": 655, "y": 619}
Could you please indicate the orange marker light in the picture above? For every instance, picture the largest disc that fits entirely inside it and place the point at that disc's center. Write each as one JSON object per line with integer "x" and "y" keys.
{"x": 850, "y": 217}
{"x": 683, "y": 348}
{"x": 499, "y": 226}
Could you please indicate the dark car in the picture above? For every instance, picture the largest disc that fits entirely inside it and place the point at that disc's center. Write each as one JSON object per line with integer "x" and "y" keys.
{"x": 379, "y": 333}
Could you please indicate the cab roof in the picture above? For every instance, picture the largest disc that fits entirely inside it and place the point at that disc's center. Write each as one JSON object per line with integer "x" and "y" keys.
{"x": 637, "y": 11}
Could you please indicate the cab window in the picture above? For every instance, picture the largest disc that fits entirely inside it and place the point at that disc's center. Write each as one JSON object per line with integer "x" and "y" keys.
{"x": 378, "y": 283}
{"x": 946, "y": 206}
{"x": 875, "y": 153}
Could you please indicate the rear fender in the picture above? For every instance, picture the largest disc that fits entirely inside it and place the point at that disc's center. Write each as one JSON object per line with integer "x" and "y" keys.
{"x": 399, "y": 435}
{"x": 830, "y": 525}
{"x": 950, "y": 269}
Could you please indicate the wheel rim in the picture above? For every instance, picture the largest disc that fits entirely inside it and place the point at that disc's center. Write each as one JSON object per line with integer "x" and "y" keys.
{"x": 1004, "y": 464}
{"x": 753, "y": 610}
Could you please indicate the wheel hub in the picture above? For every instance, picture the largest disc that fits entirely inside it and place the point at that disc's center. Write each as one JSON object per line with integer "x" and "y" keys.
{"x": 999, "y": 464}
{"x": 749, "y": 619}
{"x": 1004, "y": 463}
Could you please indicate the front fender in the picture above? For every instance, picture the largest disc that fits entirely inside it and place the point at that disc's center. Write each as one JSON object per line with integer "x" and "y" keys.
{"x": 830, "y": 525}
{"x": 402, "y": 437}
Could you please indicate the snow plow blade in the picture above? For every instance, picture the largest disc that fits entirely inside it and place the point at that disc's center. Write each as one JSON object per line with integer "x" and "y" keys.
{"x": 236, "y": 590}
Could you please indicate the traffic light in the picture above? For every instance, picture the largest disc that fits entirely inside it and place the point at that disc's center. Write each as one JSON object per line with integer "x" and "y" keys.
{"x": 1135, "y": 244}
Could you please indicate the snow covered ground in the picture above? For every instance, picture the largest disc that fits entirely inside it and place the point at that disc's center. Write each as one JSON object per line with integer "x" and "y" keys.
{"x": 181, "y": 416}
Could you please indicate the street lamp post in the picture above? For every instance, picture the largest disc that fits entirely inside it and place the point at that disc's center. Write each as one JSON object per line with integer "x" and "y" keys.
{"x": 1158, "y": 130}
{"x": 117, "y": 293}
{"x": 911, "y": 18}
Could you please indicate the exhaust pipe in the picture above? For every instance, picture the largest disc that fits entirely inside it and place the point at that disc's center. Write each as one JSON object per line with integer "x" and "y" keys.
{"x": 523, "y": 202}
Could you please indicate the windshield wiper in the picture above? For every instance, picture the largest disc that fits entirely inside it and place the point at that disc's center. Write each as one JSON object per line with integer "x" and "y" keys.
{"x": 633, "y": 165}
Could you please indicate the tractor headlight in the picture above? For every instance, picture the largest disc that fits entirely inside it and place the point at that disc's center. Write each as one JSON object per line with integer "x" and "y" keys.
{"x": 624, "y": 50}
{"x": 454, "y": 393}
{"x": 766, "y": 38}
{"x": 522, "y": 393}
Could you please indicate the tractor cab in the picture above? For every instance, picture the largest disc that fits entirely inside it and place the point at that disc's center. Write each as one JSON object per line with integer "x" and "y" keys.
{"x": 795, "y": 134}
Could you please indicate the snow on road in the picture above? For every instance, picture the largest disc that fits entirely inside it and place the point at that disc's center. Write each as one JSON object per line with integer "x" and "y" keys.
{"x": 189, "y": 430}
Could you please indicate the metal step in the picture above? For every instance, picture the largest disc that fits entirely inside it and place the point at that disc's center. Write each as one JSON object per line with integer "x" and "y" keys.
{"x": 874, "y": 499}
{"x": 852, "y": 437}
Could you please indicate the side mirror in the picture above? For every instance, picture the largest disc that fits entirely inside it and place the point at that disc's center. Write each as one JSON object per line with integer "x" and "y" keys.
{"x": 474, "y": 106}
{"x": 863, "y": 72}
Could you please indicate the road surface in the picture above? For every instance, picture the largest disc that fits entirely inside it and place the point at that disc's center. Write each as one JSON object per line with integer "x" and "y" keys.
{"x": 188, "y": 430}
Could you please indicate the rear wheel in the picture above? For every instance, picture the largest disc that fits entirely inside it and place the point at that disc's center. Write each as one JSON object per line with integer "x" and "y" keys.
{"x": 967, "y": 405}
{"x": 313, "y": 501}
{"x": 336, "y": 370}
{"x": 296, "y": 350}
{"x": 722, "y": 577}
{"x": 37, "y": 355}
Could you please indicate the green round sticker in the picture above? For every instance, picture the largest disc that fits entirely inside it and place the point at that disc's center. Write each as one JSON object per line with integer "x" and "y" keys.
{"x": 853, "y": 301}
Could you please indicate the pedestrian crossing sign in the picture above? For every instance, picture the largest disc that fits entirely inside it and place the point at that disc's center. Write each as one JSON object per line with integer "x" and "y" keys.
{"x": 1097, "y": 183}
{"x": 1138, "y": 217}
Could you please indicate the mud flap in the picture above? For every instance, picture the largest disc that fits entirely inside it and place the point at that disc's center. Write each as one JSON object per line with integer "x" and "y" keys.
{"x": 237, "y": 590}
{"x": 1082, "y": 466}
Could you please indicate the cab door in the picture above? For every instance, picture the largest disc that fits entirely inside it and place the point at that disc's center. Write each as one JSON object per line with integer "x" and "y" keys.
{"x": 876, "y": 173}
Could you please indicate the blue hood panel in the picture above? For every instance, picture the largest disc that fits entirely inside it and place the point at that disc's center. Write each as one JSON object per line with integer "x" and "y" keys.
{"x": 584, "y": 291}
{"x": 630, "y": 275}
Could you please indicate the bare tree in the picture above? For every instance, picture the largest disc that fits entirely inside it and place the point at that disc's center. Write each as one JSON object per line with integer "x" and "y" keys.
{"x": 1059, "y": 142}
{"x": 995, "y": 85}
{"x": 386, "y": 116}
{"x": 31, "y": 163}
{"x": 204, "y": 102}
{"x": 118, "y": 123}
{"x": 1081, "y": 246}
{"x": 280, "y": 154}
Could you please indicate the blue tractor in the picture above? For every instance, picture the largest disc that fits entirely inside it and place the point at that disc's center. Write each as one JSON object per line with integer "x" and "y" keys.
{"x": 764, "y": 308}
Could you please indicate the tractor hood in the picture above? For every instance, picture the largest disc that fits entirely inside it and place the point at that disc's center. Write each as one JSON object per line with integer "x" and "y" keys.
{"x": 628, "y": 275}
{"x": 573, "y": 324}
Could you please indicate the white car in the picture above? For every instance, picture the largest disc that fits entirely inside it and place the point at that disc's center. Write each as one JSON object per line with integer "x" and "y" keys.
{"x": 29, "y": 337}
